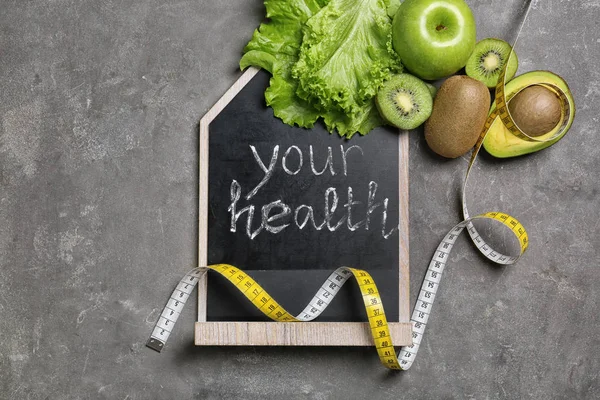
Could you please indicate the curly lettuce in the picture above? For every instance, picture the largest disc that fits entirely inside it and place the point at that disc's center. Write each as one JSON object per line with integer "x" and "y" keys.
{"x": 275, "y": 46}
{"x": 327, "y": 58}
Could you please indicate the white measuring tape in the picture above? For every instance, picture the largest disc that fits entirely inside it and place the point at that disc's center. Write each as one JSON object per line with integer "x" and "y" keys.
{"x": 252, "y": 290}
{"x": 325, "y": 295}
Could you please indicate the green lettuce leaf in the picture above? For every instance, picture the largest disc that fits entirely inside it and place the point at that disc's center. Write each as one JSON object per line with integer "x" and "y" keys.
{"x": 392, "y": 7}
{"x": 327, "y": 58}
{"x": 275, "y": 46}
{"x": 346, "y": 55}
{"x": 363, "y": 122}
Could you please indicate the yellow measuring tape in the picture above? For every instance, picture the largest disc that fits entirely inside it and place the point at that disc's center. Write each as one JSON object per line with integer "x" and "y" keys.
{"x": 373, "y": 306}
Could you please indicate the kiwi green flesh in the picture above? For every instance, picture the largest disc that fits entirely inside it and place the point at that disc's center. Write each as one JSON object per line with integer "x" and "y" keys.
{"x": 501, "y": 143}
{"x": 487, "y": 60}
{"x": 404, "y": 101}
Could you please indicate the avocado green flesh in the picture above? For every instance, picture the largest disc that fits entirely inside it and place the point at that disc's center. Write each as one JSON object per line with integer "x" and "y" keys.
{"x": 501, "y": 143}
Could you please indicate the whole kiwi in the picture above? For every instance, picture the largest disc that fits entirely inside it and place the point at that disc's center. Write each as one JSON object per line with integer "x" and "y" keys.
{"x": 460, "y": 109}
{"x": 535, "y": 109}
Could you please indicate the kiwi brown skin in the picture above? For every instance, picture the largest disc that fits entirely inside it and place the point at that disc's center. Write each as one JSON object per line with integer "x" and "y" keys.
{"x": 536, "y": 110}
{"x": 460, "y": 109}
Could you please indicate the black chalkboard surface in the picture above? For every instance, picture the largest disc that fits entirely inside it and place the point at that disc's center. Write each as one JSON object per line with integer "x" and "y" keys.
{"x": 289, "y": 205}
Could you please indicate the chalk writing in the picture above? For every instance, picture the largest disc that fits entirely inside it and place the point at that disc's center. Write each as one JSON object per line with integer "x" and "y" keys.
{"x": 277, "y": 215}
{"x": 268, "y": 171}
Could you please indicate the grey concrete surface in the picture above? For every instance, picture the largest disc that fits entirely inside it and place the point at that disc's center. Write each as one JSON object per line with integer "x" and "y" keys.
{"x": 99, "y": 103}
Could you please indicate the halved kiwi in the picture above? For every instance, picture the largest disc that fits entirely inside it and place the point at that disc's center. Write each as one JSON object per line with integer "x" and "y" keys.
{"x": 488, "y": 59}
{"x": 404, "y": 101}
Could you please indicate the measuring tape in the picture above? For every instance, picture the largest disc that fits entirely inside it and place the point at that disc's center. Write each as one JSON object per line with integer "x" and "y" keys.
{"x": 269, "y": 307}
{"x": 372, "y": 301}
{"x": 368, "y": 289}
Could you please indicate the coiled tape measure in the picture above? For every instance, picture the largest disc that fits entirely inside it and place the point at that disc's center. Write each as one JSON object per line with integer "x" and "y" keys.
{"x": 368, "y": 289}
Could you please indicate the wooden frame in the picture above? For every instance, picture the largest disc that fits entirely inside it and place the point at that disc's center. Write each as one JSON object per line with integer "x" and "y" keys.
{"x": 238, "y": 333}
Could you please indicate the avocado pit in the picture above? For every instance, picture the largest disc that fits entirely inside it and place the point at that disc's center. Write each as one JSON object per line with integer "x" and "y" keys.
{"x": 536, "y": 110}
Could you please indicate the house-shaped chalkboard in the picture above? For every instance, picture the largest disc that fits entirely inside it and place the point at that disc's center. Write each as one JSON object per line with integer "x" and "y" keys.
{"x": 345, "y": 203}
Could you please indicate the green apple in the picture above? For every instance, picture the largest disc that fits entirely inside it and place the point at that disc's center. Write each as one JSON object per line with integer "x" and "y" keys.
{"x": 434, "y": 38}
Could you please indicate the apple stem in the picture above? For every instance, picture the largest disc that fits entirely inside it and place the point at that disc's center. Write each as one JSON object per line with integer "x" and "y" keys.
{"x": 440, "y": 28}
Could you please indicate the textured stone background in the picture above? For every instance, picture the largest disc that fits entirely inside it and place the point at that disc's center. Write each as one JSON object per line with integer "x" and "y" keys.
{"x": 99, "y": 104}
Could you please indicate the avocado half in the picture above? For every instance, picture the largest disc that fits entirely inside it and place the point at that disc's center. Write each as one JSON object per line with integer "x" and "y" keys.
{"x": 501, "y": 143}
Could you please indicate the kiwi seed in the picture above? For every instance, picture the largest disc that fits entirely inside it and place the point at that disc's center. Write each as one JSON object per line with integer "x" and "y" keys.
{"x": 487, "y": 60}
{"x": 404, "y": 101}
